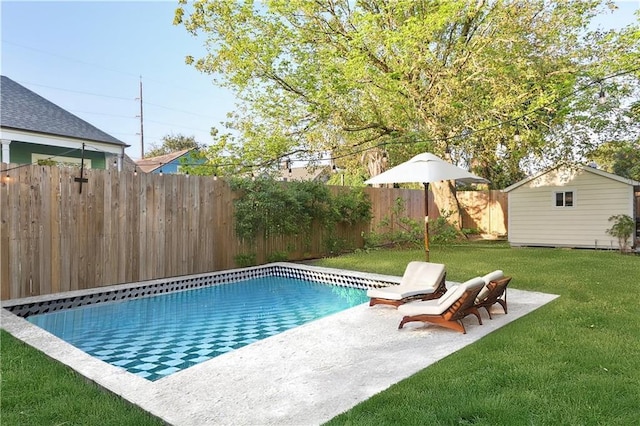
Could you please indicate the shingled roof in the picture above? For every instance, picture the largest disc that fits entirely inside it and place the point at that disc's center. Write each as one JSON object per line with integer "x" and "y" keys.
{"x": 25, "y": 110}
{"x": 149, "y": 164}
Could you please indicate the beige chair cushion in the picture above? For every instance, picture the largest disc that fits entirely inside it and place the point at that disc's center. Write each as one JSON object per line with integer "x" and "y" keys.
{"x": 396, "y": 292}
{"x": 492, "y": 276}
{"x": 426, "y": 307}
{"x": 454, "y": 293}
{"x": 419, "y": 278}
{"x": 438, "y": 306}
{"x": 422, "y": 274}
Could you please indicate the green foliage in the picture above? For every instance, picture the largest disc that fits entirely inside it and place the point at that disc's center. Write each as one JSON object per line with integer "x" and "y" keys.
{"x": 346, "y": 77}
{"x": 335, "y": 245}
{"x": 172, "y": 143}
{"x": 47, "y": 162}
{"x": 566, "y": 362}
{"x": 528, "y": 372}
{"x": 278, "y": 256}
{"x": 347, "y": 178}
{"x": 471, "y": 231}
{"x": 245, "y": 259}
{"x": 352, "y": 207}
{"x": 268, "y": 208}
{"x": 623, "y": 228}
{"x": 442, "y": 230}
{"x": 39, "y": 391}
{"x": 396, "y": 229}
{"x": 620, "y": 158}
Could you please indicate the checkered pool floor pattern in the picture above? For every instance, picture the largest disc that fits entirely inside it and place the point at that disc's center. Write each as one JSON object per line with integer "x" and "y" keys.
{"x": 157, "y": 336}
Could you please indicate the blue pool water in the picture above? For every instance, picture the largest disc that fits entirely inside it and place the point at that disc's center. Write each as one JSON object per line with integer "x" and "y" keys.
{"x": 156, "y": 336}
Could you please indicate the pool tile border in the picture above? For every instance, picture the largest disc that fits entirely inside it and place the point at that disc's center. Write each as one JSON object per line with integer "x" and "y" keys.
{"x": 294, "y": 378}
{"x": 36, "y": 305}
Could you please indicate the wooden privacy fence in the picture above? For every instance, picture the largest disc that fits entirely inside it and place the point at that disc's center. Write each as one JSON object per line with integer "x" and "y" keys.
{"x": 127, "y": 228}
{"x": 485, "y": 211}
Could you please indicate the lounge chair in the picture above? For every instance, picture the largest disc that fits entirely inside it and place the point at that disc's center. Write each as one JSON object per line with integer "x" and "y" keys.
{"x": 494, "y": 291}
{"x": 421, "y": 280}
{"x": 447, "y": 311}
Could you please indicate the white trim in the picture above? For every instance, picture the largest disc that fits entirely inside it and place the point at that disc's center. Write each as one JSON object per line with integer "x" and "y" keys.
{"x": 5, "y": 156}
{"x": 577, "y": 166}
{"x": 563, "y": 191}
{"x": 64, "y": 142}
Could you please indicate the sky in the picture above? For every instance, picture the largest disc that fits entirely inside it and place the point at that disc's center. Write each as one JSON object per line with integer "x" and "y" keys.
{"x": 89, "y": 57}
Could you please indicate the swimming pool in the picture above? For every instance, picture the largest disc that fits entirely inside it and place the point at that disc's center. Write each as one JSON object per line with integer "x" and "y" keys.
{"x": 157, "y": 336}
{"x": 153, "y": 337}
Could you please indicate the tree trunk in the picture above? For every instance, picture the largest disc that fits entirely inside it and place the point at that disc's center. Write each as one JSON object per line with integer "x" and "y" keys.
{"x": 444, "y": 195}
{"x": 375, "y": 161}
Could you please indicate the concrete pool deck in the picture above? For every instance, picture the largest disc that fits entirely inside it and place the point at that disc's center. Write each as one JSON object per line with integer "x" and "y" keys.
{"x": 303, "y": 376}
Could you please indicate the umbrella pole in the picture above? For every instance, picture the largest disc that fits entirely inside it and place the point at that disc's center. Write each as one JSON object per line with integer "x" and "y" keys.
{"x": 426, "y": 219}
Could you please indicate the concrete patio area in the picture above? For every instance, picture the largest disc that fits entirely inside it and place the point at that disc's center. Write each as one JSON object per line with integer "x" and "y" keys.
{"x": 304, "y": 376}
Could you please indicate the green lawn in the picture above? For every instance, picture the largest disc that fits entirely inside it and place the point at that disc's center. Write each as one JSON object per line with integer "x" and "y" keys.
{"x": 575, "y": 361}
{"x": 35, "y": 390}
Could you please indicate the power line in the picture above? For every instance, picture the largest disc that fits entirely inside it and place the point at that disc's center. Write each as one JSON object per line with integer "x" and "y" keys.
{"x": 76, "y": 91}
{"x": 114, "y": 97}
{"x": 46, "y": 159}
{"x": 177, "y": 110}
{"x": 104, "y": 114}
{"x": 68, "y": 58}
{"x": 176, "y": 125}
{"x": 359, "y": 148}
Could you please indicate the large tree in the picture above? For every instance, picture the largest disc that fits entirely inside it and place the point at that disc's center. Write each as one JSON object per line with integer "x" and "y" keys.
{"x": 172, "y": 143}
{"x": 483, "y": 82}
{"x": 621, "y": 158}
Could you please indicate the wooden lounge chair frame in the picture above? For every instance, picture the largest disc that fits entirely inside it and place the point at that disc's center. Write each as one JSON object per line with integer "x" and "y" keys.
{"x": 497, "y": 294}
{"x": 437, "y": 293}
{"x": 453, "y": 316}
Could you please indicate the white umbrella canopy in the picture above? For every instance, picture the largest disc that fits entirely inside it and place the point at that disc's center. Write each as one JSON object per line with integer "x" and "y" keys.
{"x": 425, "y": 168}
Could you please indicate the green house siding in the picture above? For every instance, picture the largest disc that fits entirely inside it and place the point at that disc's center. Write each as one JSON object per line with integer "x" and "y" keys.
{"x": 20, "y": 153}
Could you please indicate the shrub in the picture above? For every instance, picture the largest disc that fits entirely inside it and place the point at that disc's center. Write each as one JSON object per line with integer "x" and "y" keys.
{"x": 268, "y": 208}
{"x": 245, "y": 259}
{"x": 441, "y": 231}
{"x": 399, "y": 230}
{"x": 278, "y": 256}
{"x": 396, "y": 229}
{"x": 622, "y": 229}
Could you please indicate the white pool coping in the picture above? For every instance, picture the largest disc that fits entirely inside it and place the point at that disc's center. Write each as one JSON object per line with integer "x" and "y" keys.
{"x": 303, "y": 376}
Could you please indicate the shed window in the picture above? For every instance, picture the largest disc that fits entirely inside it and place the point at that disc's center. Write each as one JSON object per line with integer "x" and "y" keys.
{"x": 564, "y": 199}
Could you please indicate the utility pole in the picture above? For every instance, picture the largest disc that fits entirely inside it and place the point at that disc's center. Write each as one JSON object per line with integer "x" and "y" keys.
{"x": 141, "y": 123}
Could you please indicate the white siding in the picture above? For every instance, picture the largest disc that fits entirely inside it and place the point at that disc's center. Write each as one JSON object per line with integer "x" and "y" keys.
{"x": 534, "y": 219}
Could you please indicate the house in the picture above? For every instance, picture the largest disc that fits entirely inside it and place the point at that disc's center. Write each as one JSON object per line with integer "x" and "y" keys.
{"x": 314, "y": 174}
{"x": 168, "y": 163}
{"x": 569, "y": 206}
{"x": 33, "y": 129}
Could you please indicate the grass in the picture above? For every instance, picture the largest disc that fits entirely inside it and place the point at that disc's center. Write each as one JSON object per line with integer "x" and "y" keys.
{"x": 574, "y": 361}
{"x": 35, "y": 390}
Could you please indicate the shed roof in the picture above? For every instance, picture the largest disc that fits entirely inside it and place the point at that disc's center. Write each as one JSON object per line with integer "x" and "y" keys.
{"x": 23, "y": 109}
{"x": 588, "y": 169}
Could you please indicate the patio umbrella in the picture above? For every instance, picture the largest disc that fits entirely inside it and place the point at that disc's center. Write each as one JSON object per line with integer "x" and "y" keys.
{"x": 425, "y": 168}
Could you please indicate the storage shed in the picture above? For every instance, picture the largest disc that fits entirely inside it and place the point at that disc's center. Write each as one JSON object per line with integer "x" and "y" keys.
{"x": 570, "y": 206}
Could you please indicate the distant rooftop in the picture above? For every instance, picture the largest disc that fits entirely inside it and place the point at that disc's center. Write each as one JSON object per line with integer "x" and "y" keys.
{"x": 22, "y": 109}
{"x": 149, "y": 164}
